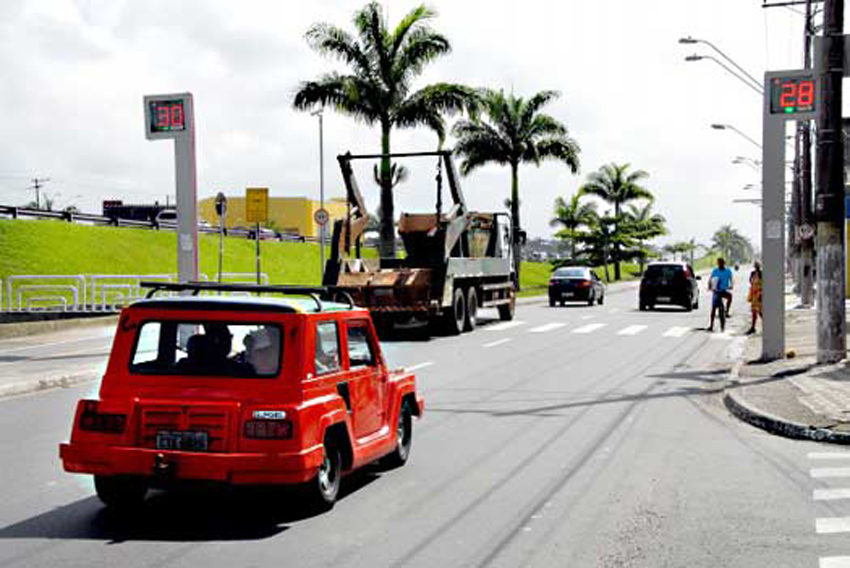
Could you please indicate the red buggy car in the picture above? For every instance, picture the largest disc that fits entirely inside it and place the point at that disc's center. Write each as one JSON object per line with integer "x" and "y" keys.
{"x": 241, "y": 390}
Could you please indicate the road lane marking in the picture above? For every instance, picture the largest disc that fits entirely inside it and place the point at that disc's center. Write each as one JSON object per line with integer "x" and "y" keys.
{"x": 497, "y": 342}
{"x": 419, "y": 366}
{"x": 722, "y": 336}
{"x": 834, "y": 562}
{"x": 632, "y": 330}
{"x": 677, "y": 331}
{"x": 504, "y": 325}
{"x": 545, "y": 328}
{"x": 829, "y": 455}
{"x": 831, "y": 525}
{"x": 587, "y": 317}
{"x": 589, "y": 328}
{"x": 826, "y": 472}
{"x": 831, "y": 494}
{"x": 43, "y": 345}
{"x": 613, "y": 310}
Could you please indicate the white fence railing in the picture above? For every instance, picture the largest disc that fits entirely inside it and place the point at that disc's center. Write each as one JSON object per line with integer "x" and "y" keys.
{"x": 89, "y": 293}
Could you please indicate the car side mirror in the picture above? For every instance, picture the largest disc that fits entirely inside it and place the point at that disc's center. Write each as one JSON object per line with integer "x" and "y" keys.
{"x": 699, "y": 277}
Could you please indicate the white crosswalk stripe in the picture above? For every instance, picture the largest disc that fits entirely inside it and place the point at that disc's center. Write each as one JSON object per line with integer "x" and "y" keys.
{"x": 632, "y": 330}
{"x": 828, "y": 472}
{"x": 676, "y": 331}
{"x": 497, "y": 342}
{"x": 834, "y": 562}
{"x": 830, "y": 525}
{"x": 723, "y": 336}
{"x": 505, "y": 325}
{"x": 829, "y": 455}
{"x": 547, "y": 327}
{"x": 589, "y": 328}
{"x": 831, "y": 494}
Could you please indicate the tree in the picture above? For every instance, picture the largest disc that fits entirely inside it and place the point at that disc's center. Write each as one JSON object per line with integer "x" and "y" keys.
{"x": 646, "y": 225}
{"x": 614, "y": 184}
{"x": 378, "y": 88}
{"x": 511, "y": 131}
{"x": 732, "y": 245}
{"x": 598, "y": 240}
{"x": 571, "y": 216}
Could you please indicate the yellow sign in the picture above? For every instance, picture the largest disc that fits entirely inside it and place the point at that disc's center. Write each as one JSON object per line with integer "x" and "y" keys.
{"x": 257, "y": 204}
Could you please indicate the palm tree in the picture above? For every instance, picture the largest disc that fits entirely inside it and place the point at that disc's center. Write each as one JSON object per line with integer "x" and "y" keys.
{"x": 512, "y": 131}
{"x": 570, "y": 216}
{"x": 734, "y": 246}
{"x": 378, "y": 88}
{"x": 645, "y": 224}
{"x": 614, "y": 184}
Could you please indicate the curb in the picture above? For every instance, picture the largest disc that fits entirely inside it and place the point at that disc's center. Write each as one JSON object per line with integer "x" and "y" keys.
{"x": 24, "y": 329}
{"x": 775, "y": 425}
{"x": 64, "y": 381}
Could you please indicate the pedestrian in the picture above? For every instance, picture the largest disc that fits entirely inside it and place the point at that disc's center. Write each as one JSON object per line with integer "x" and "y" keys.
{"x": 720, "y": 284}
{"x": 754, "y": 296}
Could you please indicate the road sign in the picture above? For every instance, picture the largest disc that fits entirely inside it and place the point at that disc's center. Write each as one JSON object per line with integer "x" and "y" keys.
{"x": 321, "y": 216}
{"x": 171, "y": 116}
{"x": 257, "y": 204}
{"x": 220, "y": 204}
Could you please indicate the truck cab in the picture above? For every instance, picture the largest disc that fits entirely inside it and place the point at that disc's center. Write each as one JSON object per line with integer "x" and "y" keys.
{"x": 244, "y": 391}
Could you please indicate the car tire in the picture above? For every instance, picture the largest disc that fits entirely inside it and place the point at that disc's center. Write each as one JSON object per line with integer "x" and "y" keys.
{"x": 471, "y": 310}
{"x": 323, "y": 489}
{"x": 689, "y": 306}
{"x": 507, "y": 311}
{"x": 404, "y": 437}
{"x": 696, "y": 303}
{"x": 591, "y": 299}
{"x": 120, "y": 492}
{"x": 552, "y": 302}
{"x": 601, "y": 299}
{"x": 642, "y": 307}
{"x": 454, "y": 318}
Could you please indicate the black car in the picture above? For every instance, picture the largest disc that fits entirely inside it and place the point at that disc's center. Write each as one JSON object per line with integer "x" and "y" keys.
{"x": 575, "y": 284}
{"x": 672, "y": 283}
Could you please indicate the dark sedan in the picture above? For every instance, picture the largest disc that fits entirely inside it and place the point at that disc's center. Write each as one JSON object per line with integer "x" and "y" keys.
{"x": 672, "y": 283}
{"x": 575, "y": 284}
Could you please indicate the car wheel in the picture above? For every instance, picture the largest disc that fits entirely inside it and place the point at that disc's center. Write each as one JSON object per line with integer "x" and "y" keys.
{"x": 601, "y": 299}
{"x": 552, "y": 302}
{"x": 591, "y": 299}
{"x": 642, "y": 307}
{"x": 455, "y": 316}
{"x": 404, "y": 437}
{"x": 119, "y": 492}
{"x": 471, "y": 310}
{"x": 324, "y": 488}
{"x": 696, "y": 303}
{"x": 689, "y": 306}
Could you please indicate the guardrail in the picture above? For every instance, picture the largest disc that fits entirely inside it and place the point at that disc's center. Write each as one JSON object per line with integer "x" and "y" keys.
{"x": 89, "y": 293}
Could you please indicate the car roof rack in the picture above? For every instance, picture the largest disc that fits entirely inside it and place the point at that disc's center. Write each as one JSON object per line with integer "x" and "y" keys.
{"x": 317, "y": 293}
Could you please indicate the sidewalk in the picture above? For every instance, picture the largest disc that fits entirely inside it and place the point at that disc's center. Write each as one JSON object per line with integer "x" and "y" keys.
{"x": 792, "y": 397}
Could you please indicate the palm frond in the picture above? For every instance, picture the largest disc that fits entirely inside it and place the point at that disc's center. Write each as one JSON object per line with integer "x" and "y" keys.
{"x": 330, "y": 40}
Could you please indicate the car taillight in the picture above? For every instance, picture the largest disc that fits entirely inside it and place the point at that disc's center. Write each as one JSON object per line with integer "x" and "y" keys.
{"x": 93, "y": 421}
{"x": 268, "y": 429}
{"x": 584, "y": 284}
{"x": 552, "y": 282}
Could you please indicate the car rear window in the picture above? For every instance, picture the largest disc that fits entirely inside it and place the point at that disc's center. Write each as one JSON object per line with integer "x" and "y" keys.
{"x": 209, "y": 348}
{"x": 571, "y": 273}
{"x": 664, "y": 271}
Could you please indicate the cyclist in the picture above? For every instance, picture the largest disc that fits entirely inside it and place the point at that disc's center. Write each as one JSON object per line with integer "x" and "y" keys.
{"x": 720, "y": 284}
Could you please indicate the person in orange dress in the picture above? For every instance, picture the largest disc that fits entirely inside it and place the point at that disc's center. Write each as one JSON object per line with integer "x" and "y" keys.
{"x": 754, "y": 296}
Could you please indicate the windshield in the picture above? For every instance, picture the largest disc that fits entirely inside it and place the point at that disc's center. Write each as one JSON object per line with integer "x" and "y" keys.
{"x": 664, "y": 271}
{"x": 571, "y": 273}
{"x": 218, "y": 348}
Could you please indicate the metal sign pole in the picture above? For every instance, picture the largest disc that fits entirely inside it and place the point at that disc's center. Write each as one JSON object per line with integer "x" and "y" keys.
{"x": 258, "y": 252}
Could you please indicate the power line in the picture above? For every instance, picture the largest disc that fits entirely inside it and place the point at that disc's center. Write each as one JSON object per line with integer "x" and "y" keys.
{"x": 37, "y": 184}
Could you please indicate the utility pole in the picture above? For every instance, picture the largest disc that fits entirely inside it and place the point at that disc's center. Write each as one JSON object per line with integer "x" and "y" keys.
{"x": 829, "y": 203}
{"x": 37, "y": 184}
{"x": 806, "y": 225}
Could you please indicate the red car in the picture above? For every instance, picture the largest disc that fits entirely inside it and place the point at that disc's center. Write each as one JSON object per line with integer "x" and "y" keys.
{"x": 241, "y": 390}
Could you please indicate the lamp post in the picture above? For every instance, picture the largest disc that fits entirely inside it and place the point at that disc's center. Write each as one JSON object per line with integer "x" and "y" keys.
{"x": 692, "y": 41}
{"x": 759, "y": 91}
{"x": 319, "y": 113}
{"x": 733, "y": 129}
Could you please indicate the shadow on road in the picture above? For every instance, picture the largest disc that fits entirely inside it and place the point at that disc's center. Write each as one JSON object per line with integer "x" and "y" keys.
{"x": 182, "y": 516}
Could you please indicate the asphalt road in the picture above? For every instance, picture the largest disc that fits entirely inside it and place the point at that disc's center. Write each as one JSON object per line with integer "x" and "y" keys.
{"x": 573, "y": 436}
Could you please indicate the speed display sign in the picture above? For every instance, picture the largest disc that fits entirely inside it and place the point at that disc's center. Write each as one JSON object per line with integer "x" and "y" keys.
{"x": 793, "y": 94}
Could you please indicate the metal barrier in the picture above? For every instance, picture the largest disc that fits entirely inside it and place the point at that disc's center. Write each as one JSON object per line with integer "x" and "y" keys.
{"x": 98, "y": 281}
{"x": 48, "y": 287}
{"x": 12, "y": 281}
{"x": 62, "y": 300}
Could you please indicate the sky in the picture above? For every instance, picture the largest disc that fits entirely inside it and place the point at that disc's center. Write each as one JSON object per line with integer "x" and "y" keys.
{"x": 75, "y": 72}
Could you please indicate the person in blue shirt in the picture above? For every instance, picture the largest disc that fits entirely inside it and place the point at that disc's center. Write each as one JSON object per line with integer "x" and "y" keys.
{"x": 720, "y": 284}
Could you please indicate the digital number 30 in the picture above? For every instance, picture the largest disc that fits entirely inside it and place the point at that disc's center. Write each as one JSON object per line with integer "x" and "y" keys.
{"x": 797, "y": 94}
{"x": 169, "y": 116}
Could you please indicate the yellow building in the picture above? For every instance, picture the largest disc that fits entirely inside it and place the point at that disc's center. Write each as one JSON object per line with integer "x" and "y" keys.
{"x": 286, "y": 214}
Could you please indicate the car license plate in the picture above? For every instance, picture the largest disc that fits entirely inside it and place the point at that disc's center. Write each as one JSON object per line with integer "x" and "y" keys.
{"x": 567, "y": 294}
{"x": 185, "y": 441}
{"x": 663, "y": 298}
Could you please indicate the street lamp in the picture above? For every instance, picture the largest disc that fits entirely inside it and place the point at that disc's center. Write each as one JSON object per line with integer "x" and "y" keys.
{"x": 733, "y": 129}
{"x": 319, "y": 113}
{"x": 692, "y": 41}
{"x": 755, "y": 88}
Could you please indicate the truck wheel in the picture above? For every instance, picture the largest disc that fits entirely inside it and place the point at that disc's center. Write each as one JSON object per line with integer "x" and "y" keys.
{"x": 471, "y": 310}
{"x": 404, "y": 437}
{"x": 119, "y": 492}
{"x": 455, "y": 316}
{"x": 506, "y": 311}
{"x": 324, "y": 488}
